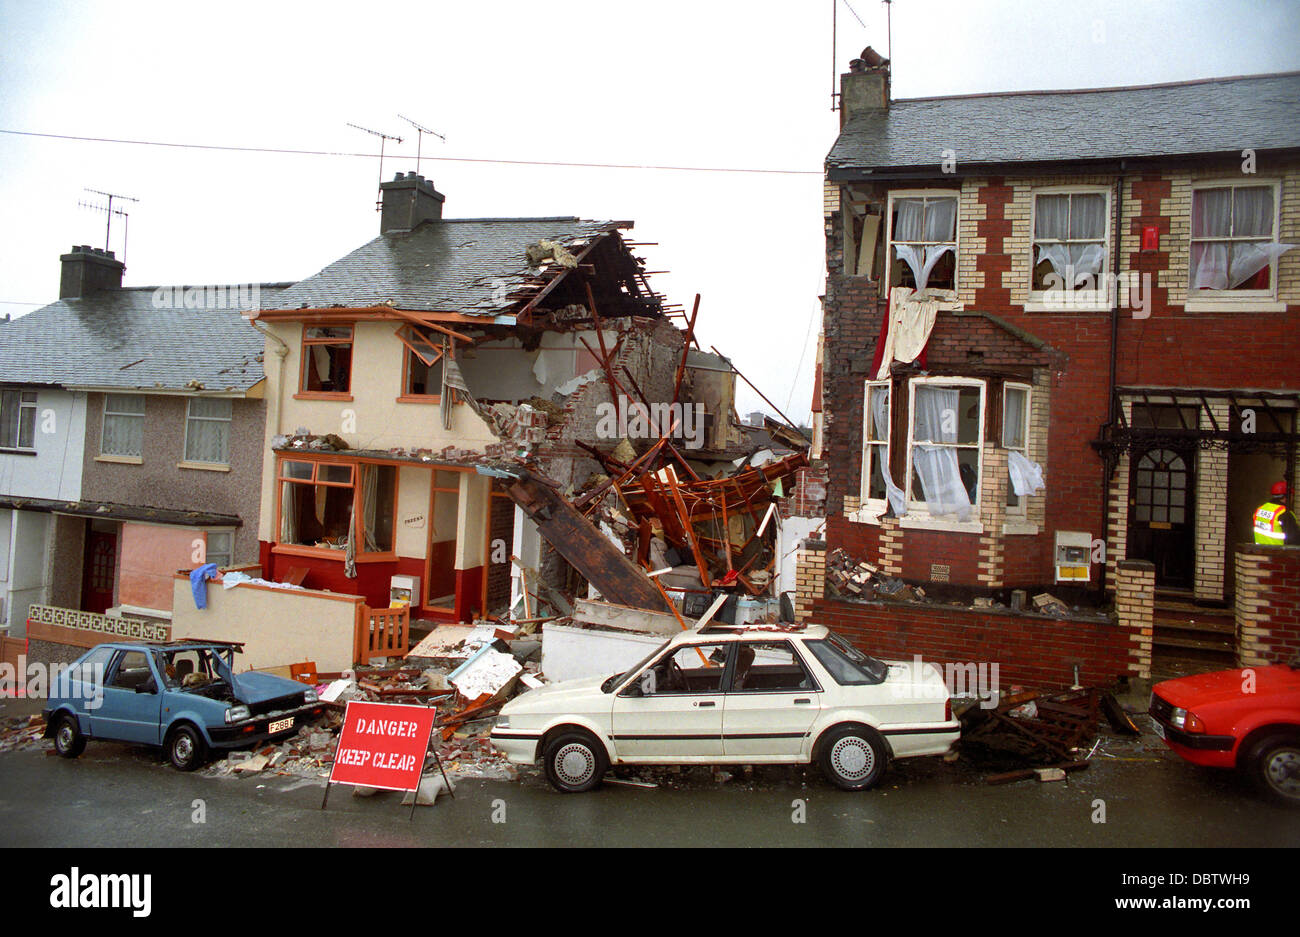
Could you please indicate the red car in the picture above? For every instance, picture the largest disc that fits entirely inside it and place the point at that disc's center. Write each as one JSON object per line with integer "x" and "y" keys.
{"x": 1247, "y": 719}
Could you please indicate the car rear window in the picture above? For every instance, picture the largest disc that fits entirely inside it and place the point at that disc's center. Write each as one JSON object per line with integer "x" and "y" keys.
{"x": 845, "y": 663}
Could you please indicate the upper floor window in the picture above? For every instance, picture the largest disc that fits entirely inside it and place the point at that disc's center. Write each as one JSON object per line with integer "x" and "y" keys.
{"x": 123, "y": 433}
{"x": 18, "y": 419}
{"x": 923, "y": 240}
{"x": 423, "y": 366}
{"x": 207, "y": 430}
{"x": 1234, "y": 238}
{"x": 1071, "y": 231}
{"x": 944, "y": 446}
{"x": 326, "y": 359}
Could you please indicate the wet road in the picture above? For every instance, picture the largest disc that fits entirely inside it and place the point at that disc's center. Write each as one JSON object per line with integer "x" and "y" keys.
{"x": 119, "y": 796}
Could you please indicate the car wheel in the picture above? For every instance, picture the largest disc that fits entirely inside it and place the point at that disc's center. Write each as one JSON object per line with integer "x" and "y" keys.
{"x": 185, "y": 749}
{"x": 853, "y": 757}
{"x": 1274, "y": 766}
{"x": 574, "y": 762}
{"x": 68, "y": 740}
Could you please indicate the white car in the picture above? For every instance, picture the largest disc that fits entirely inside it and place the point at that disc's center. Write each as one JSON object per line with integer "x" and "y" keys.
{"x": 755, "y": 694}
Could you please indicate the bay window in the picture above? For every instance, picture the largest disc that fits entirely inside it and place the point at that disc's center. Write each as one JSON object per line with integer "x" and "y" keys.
{"x": 336, "y": 505}
{"x": 944, "y": 446}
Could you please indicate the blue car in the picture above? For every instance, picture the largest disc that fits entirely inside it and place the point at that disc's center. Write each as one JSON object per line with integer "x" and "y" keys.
{"x": 183, "y": 696}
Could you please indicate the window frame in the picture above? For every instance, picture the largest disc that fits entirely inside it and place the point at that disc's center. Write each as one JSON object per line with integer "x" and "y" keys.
{"x": 895, "y": 194}
{"x": 307, "y": 342}
{"x": 813, "y": 685}
{"x": 189, "y": 415}
{"x": 918, "y": 509}
{"x": 409, "y": 350}
{"x": 1073, "y": 299}
{"x": 207, "y": 545}
{"x": 103, "y": 426}
{"x": 864, "y": 487}
{"x": 1230, "y": 296}
{"x": 283, "y": 459}
{"x": 34, "y": 406}
{"x": 1018, "y": 511}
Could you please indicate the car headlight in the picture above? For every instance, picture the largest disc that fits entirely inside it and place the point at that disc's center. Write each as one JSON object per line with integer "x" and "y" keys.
{"x": 503, "y": 722}
{"x": 309, "y": 695}
{"x": 238, "y": 714}
{"x": 1178, "y": 717}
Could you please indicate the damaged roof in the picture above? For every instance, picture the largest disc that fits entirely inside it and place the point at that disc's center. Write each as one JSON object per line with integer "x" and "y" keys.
{"x": 448, "y": 265}
{"x": 139, "y": 338}
{"x": 1219, "y": 115}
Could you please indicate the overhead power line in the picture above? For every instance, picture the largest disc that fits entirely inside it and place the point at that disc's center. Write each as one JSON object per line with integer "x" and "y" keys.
{"x": 443, "y": 159}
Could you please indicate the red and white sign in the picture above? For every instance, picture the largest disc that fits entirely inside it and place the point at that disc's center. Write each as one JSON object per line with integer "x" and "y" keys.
{"x": 383, "y": 745}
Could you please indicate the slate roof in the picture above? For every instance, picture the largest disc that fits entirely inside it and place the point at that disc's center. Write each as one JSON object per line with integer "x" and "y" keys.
{"x": 120, "y": 338}
{"x": 1219, "y": 115}
{"x": 451, "y": 265}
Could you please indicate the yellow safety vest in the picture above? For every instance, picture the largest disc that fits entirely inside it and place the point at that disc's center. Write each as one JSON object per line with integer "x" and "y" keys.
{"x": 1268, "y": 524}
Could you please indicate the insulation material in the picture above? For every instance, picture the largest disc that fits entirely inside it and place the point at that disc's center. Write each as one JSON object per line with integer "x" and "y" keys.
{"x": 487, "y": 674}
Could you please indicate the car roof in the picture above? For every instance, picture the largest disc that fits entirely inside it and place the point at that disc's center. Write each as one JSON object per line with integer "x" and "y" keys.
{"x": 170, "y": 645}
{"x": 721, "y": 631}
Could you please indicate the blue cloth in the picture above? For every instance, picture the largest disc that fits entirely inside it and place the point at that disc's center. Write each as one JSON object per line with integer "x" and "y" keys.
{"x": 197, "y": 585}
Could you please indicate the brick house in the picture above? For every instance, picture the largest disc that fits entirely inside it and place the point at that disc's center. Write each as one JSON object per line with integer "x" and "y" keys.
{"x": 1111, "y": 293}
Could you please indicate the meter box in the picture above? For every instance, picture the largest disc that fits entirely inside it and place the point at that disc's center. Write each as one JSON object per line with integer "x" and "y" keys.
{"x": 403, "y": 591}
{"x": 1073, "y": 556}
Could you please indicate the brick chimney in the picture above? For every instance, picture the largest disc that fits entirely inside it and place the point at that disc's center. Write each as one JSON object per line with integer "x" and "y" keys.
{"x": 87, "y": 269}
{"x": 408, "y": 201}
{"x": 865, "y": 87}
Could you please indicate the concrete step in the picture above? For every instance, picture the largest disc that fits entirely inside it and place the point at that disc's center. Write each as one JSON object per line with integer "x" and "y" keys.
{"x": 1198, "y": 644}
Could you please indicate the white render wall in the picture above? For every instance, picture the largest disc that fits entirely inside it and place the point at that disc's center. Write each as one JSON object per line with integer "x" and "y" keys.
{"x": 60, "y": 442}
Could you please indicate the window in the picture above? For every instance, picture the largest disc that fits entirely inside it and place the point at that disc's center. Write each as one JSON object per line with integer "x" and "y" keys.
{"x": 1015, "y": 434}
{"x": 1234, "y": 238}
{"x": 132, "y": 671}
{"x": 944, "y": 452}
{"x": 123, "y": 425}
{"x": 697, "y": 668}
{"x": 326, "y": 359}
{"x": 769, "y": 667}
{"x": 219, "y": 546}
{"x": 845, "y": 663}
{"x": 923, "y": 240}
{"x": 1071, "y": 231}
{"x": 319, "y": 499}
{"x": 207, "y": 430}
{"x": 875, "y": 443}
{"x": 18, "y": 419}
{"x": 424, "y": 354}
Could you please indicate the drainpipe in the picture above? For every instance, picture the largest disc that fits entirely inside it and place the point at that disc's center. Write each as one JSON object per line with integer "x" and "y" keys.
{"x": 1112, "y": 403}
{"x": 273, "y": 417}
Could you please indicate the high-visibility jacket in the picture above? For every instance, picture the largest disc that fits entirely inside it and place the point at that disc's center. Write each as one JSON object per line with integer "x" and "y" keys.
{"x": 1268, "y": 524}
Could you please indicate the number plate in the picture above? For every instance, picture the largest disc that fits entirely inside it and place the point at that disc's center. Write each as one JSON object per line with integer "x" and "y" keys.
{"x": 1160, "y": 730}
{"x": 280, "y": 725}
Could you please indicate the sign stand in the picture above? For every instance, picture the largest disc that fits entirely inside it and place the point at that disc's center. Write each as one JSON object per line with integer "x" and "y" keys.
{"x": 377, "y": 748}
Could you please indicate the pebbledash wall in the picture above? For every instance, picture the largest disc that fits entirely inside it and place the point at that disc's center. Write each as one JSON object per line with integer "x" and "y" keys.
{"x": 1268, "y": 604}
{"x": 1029, "y": 648}
{"x": 1177, "y": 345}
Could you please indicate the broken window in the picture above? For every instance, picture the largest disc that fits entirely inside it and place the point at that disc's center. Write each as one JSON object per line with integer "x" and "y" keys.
{"x": 123, "y": 432}
{"x": 18, "y": 419}
{"x": 923, "y": 241}
{"x": 1069, "y": 250}
{"x": 877, "y": 483}
{"x": 207, "y": 430}
{"x": 1015, "y": 434}
{"x": 1234, "y": 238}
{"x": 326, "y": 359}
{"x": 319, "y": 499}
{"x": 944, "y": 445}
{"x": 424, "y": 354}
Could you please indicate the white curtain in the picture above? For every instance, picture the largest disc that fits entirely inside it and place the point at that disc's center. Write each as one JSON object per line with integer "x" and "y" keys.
{"x": 208, "y": 435}
{"x": 880, "y": 419}
{"x": 1072, "y": 218}
{"x": 369, "y": 491}
{"x": 288, "y": 513}
{"x": 350, "y": 550}
{"x": 1225, "y": 212}
{"x": 918, "y": 220}
{"x": 936, "y": 465}
{"x": 1026, "y": 476}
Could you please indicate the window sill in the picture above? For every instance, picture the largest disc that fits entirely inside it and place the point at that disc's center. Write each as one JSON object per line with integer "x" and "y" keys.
{"x": 324, "y": 553}
{"x": 204, "y": 466}
{"x": 1234, "y": 304}
{"x": 867, "y": 514}
{"x": 321, "y": 395}
{"x": 1018, "y": 528}
{"x": 924, "y": 522}
{"x": 1067, "y": 305}
{"x": 120, "y": 459}
{"x": 420, "y": 398}
{"x": 5, "y": 450}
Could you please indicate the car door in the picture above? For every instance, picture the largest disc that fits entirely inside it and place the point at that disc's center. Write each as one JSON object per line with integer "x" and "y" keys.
{"x": 672, "y": 711}
{"x": 771, "y": 703}
{"x": 132, "y": 701}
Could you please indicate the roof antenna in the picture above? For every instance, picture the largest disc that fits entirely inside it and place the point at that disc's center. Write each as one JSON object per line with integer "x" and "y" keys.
{"x": 383, "y": 138}
{"x": 109, "y": 211}
{"x": 419, "y": 139}
{"x": 889, "y": 30}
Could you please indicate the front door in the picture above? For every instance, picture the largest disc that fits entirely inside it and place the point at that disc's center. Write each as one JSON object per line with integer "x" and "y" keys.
{"x": 1161, "y": 514}
{"x": 97, "y": 571}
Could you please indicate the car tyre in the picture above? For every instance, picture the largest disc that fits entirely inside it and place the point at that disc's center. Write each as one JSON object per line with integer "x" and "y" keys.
{"x": 853, "y": 757}
{"x": 185, "y": 748}
{"x": 68, "y": 740}
{"x": 574, "y": 762}
{"x": 1274, "y": 767}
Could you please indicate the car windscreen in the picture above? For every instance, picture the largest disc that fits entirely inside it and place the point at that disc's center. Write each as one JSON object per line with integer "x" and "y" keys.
{"x": 845, "y": 663}
{"x": 608, "y": 685}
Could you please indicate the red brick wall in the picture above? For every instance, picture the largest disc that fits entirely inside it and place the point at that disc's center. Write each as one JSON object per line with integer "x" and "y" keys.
{"x": 1268, "y": 604}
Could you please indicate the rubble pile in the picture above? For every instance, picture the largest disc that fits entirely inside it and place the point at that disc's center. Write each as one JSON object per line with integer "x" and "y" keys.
{"x": 21, "y": 733}
{"x": 848, "y": 577}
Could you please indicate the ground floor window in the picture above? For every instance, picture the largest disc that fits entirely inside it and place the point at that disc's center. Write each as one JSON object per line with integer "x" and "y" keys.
{"x": 944, "y": 445}
{"x": 334, "y": 505}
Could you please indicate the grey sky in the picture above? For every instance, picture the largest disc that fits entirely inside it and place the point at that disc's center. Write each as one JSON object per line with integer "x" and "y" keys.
{"x": 703, "y": 83}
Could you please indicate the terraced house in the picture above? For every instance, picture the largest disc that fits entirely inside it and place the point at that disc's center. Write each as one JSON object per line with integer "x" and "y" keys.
{"x": 1055, "y": 342}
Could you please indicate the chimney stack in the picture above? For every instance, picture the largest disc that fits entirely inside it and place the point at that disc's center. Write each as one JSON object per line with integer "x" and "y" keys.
{"x": 865, "y": 87}
{"x": 87, "y": 269}
{"x": 408, "y": 201}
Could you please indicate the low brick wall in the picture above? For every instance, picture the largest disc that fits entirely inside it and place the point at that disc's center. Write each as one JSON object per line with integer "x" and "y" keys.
{"x": 1267, "y": 604}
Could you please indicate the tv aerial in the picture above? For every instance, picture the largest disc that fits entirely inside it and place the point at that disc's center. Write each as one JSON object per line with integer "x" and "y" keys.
{"x": 420, "y": 131}
{"x": 383, "y": 139}
{"x": 109, "y": 211}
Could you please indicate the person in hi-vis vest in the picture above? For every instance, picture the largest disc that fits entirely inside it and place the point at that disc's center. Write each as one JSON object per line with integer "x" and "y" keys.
{"x": 1274, "y": 524}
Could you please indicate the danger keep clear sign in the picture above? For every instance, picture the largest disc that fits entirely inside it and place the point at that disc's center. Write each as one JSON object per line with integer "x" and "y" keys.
{"x": 383, "y": 745}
